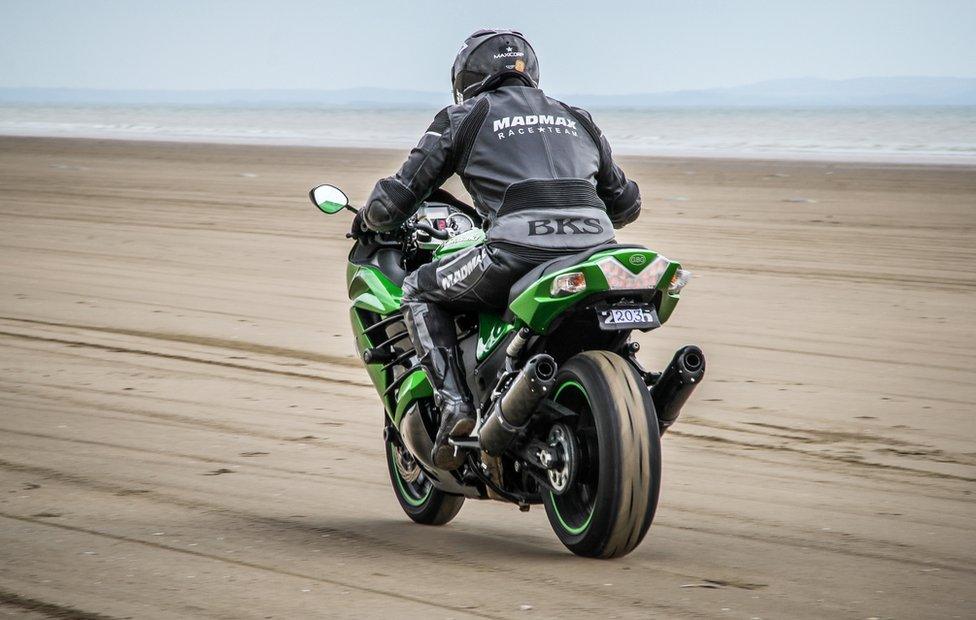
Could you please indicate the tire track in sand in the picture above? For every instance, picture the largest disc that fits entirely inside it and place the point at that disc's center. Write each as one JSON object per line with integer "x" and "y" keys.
{"x": 183, "y": 358}
{"x": 252, "y": 565}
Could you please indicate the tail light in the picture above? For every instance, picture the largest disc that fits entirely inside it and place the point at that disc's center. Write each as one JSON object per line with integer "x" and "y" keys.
{"x": 567, "y": 284}
{"x": 620, "y": 278}
{"x": 678, "y": 281}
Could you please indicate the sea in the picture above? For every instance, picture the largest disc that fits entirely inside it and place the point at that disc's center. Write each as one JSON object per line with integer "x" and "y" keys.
{"x": 884, "y": 134}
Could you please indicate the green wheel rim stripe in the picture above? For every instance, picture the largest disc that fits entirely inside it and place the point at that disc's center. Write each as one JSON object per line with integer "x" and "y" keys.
{"x": 574, "y": 384}
{"x": 572, "y": 530}
{"x": 580, "y": 528}
{"x": 403, "y": 489}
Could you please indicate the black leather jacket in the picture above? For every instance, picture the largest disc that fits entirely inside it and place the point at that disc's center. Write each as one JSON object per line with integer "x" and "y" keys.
{"x": 539, "y": 172}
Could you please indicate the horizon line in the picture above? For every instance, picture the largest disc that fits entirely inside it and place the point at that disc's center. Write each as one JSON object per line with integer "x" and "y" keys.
{"x": 438, "y": 92}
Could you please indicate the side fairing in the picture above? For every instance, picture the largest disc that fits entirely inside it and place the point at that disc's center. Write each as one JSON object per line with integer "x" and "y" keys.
{"x": 377, "y": 375}
{"x": 372, "y": 292}
{"x": 413, "y": 388}
{"x": 491, "y": 330}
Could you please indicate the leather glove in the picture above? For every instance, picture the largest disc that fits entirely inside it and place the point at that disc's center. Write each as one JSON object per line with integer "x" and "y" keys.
{"x": 358, "y": 226}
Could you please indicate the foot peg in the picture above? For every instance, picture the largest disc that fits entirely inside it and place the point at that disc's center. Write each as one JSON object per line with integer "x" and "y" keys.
{"x": 464, "y": 443}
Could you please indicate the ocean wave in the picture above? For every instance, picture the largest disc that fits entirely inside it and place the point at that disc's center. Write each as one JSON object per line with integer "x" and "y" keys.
{"x": 912, "y": 133}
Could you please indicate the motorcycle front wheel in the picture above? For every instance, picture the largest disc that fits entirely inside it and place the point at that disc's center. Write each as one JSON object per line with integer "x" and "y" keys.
{"x": 610, "y": 504}
{"x": 414, "y": 491}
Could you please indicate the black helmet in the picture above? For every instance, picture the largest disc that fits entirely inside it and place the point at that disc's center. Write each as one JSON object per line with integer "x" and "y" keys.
{"x": 490, "y": 57}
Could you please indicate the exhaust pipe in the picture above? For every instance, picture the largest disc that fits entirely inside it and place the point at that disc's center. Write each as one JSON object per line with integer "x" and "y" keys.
{"x": 416, "y": 438}
{"x": 512, "y": 411}
{"x": 676, "y": 384}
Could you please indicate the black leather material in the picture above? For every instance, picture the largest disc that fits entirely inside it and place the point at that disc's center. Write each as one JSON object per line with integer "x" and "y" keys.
{"x": 626, "y": 206}
{"x": 468, "y": 131}
{"x": 501, "y": 138}
{"x": 510, "y": 137}
{"x": 621, "y": 196}
{"x": 473, "y": 280}
{"x": 549, "y": 194}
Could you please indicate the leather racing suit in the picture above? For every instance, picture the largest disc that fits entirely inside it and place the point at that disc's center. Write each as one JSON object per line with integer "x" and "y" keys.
{"x": 540, "y": 174}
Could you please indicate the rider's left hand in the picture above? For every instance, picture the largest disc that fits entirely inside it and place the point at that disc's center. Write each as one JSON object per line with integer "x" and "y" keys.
{"x": 358, "y": 226}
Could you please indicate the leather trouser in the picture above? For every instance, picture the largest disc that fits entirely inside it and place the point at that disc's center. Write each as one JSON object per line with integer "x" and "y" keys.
{"x": 476, "y": 279}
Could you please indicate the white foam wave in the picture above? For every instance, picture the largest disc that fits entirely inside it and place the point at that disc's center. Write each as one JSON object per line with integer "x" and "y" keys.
{"x": 902, "y": 134}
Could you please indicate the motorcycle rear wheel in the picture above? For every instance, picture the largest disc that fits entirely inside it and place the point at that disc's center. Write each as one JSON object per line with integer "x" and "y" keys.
{"x": 417, "y": 497}
{"x": 609, "y": 507}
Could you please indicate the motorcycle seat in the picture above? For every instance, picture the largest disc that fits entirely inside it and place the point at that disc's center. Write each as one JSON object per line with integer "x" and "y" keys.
{"x": 557, "y": 264}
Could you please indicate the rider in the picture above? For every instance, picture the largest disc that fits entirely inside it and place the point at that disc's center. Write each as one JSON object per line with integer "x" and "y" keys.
{"x": 541, "y": 175}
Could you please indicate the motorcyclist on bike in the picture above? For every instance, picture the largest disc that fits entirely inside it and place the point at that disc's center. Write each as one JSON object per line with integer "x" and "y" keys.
{"x": 541, "y": 175}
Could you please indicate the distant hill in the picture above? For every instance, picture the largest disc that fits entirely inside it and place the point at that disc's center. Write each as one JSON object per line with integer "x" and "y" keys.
{"x": 868, "y": 91}
{"x": 351, "y": 97}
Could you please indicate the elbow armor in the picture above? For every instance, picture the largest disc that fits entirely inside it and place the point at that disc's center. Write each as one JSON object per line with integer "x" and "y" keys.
{"x": 625, "y": 208}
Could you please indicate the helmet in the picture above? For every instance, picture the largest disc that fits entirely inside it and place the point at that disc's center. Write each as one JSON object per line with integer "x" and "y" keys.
{"x": 490, "y": 57}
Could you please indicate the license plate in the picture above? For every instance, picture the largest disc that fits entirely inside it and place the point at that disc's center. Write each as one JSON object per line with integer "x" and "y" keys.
{"x": 630, "y": 317}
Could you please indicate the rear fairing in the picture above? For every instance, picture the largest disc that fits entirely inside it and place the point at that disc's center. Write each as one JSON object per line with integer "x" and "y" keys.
{"x": 539, "y": 307}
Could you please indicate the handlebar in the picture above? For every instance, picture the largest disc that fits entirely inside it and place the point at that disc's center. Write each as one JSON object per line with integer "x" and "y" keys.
{"x": 433, "y": 232}
{"x": 394, "y": 240}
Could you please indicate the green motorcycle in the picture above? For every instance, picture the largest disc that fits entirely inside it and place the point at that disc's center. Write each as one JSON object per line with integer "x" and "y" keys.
{"x": 567, "y": 417}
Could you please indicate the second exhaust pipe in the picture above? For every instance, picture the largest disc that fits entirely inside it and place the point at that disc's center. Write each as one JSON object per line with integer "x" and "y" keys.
{"x": 677, "y": 382}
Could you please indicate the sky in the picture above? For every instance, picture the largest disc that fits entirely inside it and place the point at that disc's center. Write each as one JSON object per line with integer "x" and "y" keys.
{"x": 584, "y": 47}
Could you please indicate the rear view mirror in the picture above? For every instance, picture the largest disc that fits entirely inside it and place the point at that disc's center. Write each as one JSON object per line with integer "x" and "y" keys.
{"x": 328, "y": 198}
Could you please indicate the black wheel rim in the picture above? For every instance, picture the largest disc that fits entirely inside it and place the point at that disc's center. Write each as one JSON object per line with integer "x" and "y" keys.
{"x": 574, "y": 508}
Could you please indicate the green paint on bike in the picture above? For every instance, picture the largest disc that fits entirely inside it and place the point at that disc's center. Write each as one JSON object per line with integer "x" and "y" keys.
{"x": 370, "y": 289}
{"x": 413, "y": 388}
{"x": 492, "y": 329}
{"x": 579, "y": 529}
{"x": 537, "y": 307}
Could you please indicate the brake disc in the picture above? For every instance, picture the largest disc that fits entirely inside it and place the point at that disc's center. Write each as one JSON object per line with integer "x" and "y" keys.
{"x": 406, "y": 465}
{"x": 562, "y": 470}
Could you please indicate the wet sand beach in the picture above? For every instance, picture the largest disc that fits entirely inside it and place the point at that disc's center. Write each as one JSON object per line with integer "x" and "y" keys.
{"x": 185, "y": 431}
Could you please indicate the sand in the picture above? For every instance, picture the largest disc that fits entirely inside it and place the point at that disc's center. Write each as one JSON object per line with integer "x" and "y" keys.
{"x": 185, "y": 432}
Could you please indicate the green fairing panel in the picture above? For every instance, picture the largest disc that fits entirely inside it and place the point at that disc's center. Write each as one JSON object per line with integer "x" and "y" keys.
{"x": 371, "y": 290}
{"x": 491, "y": 330}
{"x": 465, "y": 240}
{"x": 537, "y": 308}
{"x": 413, "y": 388}
{"x": 375, "y": 371}
{"x": 668, "y": 302}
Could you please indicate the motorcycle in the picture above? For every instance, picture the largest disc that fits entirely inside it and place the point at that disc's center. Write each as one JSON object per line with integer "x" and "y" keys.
{"x": 566, "y": 415}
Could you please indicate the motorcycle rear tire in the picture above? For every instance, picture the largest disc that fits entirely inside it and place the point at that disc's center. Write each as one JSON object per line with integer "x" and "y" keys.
{"x": 620, "y": 457}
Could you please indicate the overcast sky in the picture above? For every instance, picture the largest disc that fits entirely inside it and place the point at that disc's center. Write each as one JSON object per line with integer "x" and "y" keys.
{"x": 584, "y": 47}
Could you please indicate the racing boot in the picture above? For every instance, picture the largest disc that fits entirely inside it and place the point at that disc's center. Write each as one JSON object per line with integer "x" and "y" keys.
{"x": 434, "y": 336}
{"x": 457, "y": 414}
